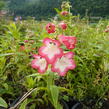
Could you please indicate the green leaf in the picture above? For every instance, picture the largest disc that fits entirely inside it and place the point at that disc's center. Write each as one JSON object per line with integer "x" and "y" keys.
{"x": 23, "y": 105}
{"x": 6, "y": 54}
{"x": 57, "y": 10}
{"x": 54, "y": 95}
{"x": 3, "y": 103}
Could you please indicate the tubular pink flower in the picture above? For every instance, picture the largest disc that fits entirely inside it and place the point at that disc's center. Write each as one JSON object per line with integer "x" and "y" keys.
{"x": 68, "y": 41}
{"x": 63, "y": 63}
{"x": 50, "y": 50}
{"x": 39, "y": 63}
{"x": 22, "y": 48}
{"x": 35, "y": 56}
{"x": 64, "y": 13}
{"x": 106, "y": 30}
{"x": 63, "y": 25}
{"x": 50, "y": 27}
{"x": 26, "y": 41}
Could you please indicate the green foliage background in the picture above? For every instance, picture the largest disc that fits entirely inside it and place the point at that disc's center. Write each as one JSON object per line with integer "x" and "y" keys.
{"x": 94, "y": 7}
{"x": 42, "y": 9}
{"x": 2, "y": 4}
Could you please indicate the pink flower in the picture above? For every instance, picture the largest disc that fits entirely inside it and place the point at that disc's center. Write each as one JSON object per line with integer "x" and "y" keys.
{"x": 64, "y": 13}
{"x": 68, "y": 41}
{"x": 50, "y": 27}
{"x": 50, "y": 50}
{"x": 63, "y": 25}
{"x": 63, "y": 63}
{"x": 106, "y": 30}
{"x": 39, "y": 63}
{"x": 22, "y": 48}
{"x": 26, "y": 41}
{"x": 34, "y": 55}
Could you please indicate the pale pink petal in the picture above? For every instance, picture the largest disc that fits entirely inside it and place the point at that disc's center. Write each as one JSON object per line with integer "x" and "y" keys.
{"x": 69, "y": 55}
{"x": 63, "y": 25}
{"x": 62, "y": 38}
{"x": 72, "y": 40}
{"x": 64, "y": 63}
{"x": 47, "y": 41}
{"x": 68, "y": 41}
{"x": 50, "y": 50}
{"x": 35, "y": 56}
{"x": 26, "y": 41}
{"x": 40, "y": 64}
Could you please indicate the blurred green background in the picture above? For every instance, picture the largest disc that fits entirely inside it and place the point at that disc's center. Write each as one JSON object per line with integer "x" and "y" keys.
{"x": 42, "y": 9}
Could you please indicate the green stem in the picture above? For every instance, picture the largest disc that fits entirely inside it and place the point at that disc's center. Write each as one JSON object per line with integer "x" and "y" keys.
{"x": 50, "y": 79}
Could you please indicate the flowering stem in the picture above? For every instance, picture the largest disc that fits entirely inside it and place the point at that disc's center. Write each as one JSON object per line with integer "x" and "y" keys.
{"x": 53, "y": 91}
{"x": 50, "y": 79}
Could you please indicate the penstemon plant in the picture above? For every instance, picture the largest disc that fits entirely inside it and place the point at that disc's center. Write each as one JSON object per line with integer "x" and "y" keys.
{"x": 52, "y": 59}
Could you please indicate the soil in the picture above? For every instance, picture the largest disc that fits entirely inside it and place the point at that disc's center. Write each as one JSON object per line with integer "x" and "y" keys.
{"x": 105, "y": 105}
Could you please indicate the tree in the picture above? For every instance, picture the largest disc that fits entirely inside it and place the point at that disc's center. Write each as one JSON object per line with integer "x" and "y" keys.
{"x": 2, "y": 4}
{"x": 37, "y": 8}
{"x": 42, "y": 9}
{"x": 94, "y": 7}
